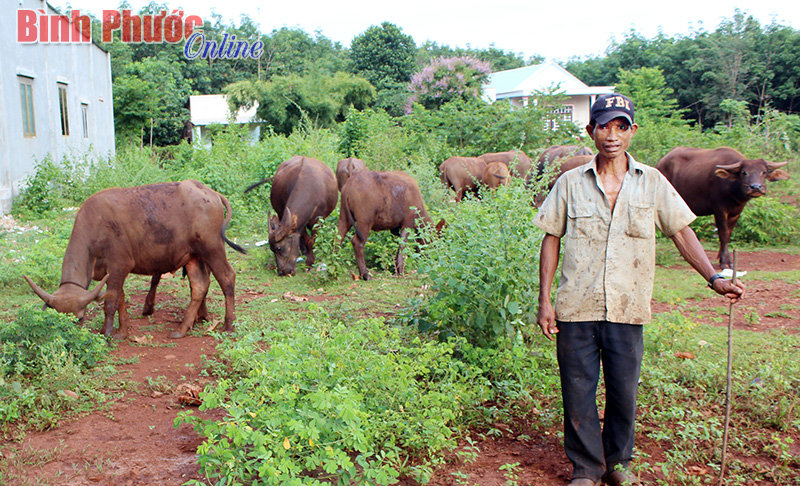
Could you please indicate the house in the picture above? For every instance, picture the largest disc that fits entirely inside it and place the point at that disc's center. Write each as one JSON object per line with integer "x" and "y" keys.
{"x": 208, "y": 110}
{"x": 517, "y": 85}
{"x": 55, "y": 96}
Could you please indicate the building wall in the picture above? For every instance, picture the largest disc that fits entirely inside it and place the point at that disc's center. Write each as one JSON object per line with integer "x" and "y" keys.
{"x": 83, "y": 69}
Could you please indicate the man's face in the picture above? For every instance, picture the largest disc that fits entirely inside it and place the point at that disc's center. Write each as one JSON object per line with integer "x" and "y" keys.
{"x": 613, "y": 138}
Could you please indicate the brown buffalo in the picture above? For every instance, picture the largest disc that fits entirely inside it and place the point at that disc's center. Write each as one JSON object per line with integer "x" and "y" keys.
{"x": 381, "y": 201}
{"x": 462, "y": 174}
{"x": 720, "y": 182}
{"x": 303, "y": 192}
{"x": 347, "y": 167}
{"x": 556, "y": 153}
{"x": 146, "y": 230}
{"x": 516, "y": 160}
{"x": 566, "y": 164}
{"x": 495, "y": 174}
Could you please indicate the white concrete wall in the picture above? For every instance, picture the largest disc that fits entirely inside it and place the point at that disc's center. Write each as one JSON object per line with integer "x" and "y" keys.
{"x": 84, "y": 68}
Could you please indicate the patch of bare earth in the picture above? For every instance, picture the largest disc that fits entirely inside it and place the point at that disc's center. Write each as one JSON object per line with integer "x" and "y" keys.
{"x": 135, "y": 442}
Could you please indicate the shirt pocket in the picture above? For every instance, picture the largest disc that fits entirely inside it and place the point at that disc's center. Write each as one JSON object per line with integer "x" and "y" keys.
{"x": 581, "y": 222}
{"x": 641, "y": 222}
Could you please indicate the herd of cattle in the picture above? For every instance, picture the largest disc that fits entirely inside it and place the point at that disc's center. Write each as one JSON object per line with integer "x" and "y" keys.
{"x": 160, "y": 228}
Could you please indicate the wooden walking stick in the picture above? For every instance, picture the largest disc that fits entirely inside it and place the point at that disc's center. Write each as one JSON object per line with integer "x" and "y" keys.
{"x": 728, "y": 392}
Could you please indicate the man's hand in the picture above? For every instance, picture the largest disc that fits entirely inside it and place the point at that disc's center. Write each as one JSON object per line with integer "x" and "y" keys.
{"x": 729, "y": 289}
{"x": 547, "y": 319}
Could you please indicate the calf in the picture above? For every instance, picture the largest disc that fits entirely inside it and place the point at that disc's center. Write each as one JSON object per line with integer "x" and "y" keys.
{"x": 381, "y": 201}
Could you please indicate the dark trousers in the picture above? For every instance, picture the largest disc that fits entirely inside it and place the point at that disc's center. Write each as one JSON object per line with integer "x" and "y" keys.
{"x": 581, "y": 348}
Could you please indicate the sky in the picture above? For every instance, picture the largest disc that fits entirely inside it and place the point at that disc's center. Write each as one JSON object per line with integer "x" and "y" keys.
{"x": 557, "y": 31}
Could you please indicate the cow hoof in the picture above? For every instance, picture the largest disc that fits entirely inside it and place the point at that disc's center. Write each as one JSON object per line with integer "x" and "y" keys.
{"x": 176, "y": 334}
{"x": 147, "y": 311}
{"x": 120, "y": 335}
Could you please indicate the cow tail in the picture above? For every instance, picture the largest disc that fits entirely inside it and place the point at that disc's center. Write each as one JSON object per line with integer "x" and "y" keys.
{"x": 228, "y": 216}
{"x": 253, "y": 186}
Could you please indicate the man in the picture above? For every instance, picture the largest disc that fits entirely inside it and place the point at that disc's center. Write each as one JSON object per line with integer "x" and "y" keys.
{"x": 606, "y": 212}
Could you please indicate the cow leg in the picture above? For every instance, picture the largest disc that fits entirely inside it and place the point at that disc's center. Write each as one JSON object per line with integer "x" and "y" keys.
{"x": 111, "y": 304}
{"x": 198, "y": 285}
{"x": 226, "y": 278}
{"x": 358, "y": 249}
{"x": 124, "y": 318}
{"x": 400, "y": 260}
{"x": 150, "y": 300}
{"x": 307, "y": 241}
{"x": 724, "y": 234}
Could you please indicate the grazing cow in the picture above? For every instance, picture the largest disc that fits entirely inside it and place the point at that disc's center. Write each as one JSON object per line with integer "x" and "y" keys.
{"x": 567, "y": 164}
{"x": 347, "y": 167}
{"x": 557, "y": 152}
{"x": 516, "y": 160}
{"x": 720, "y": 182}
{"x": 381, "y": 201}
{"x": 462, "y": 174}
{"x": 303, "y": 192}
{"x": 495, "y": 174}
{"x": 146, "y": 230}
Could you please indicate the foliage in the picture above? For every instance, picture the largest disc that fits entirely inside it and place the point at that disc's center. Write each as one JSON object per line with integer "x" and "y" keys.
{"x": 384, "y": 55}
{"x": 499, "y": 59}
{"x": 352, "y": 401}
{"x": 483, "y": 271}
{"x": 766, "y": 220}
{"x": 38, "y": 333}
{"x": 285, "y": 100}
{"x": 474, "y": 127}
{"x": 446, "y": 79}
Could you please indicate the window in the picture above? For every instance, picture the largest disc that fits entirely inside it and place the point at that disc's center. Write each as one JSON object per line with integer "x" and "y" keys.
{"x": 26, "y": 100}
{"x": 62, "y": 105}
{"x": 85, "y": 119}
{"x": 561, "y": 114}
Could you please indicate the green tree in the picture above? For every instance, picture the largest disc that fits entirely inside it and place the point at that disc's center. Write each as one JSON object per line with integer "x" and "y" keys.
{"x": 284, "y": 101}
{"x": 384, "y": 55}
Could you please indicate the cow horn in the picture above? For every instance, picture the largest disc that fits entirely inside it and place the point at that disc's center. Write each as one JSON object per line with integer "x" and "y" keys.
{"x": 775, "y": 165}
{"x": 95, "y": 294}
{"x": 47, "y": 298}
{"x": 731, "y": 167}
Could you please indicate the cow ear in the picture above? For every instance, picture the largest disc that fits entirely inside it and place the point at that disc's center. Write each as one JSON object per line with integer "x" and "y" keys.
{"x": 777, "y": 175}
{"x": 726, "y": 173}
{"x": 273, "y": 224}
{"x": 293, "y": 224}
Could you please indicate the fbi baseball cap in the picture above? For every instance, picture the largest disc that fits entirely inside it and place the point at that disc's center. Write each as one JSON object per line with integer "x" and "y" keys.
{"x": 610, "y": 106}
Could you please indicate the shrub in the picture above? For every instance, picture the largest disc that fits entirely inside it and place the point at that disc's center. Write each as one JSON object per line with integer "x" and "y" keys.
{"x": 30, "y": 343}
{"x": 332, "y": 402}
{"x": 484, "y": 269}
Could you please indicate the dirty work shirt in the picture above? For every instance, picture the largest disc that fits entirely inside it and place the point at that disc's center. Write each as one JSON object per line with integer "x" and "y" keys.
{"x": 609, "y": 259}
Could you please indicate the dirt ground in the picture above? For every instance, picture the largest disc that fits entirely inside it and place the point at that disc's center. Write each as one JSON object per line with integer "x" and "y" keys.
{"x": 135, "y": 442}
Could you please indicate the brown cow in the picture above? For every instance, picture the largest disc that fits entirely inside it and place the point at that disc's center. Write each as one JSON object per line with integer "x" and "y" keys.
{"x": 720, "y": 182}
{"x": 303, "y": 192}
{"x": 516, "y": 160}
{"x": 495, "y": 174}
{"x": 557, "y": 152}
{"x": 462, "y": 174}
{"x": 347, "y": 167}
{"x": 381, "y": 201}
{"x": 567, "y": 164}
{"x": 146, "y": 230}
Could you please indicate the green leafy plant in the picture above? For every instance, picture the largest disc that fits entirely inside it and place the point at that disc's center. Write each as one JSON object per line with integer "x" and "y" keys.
{"x": 483, "y": 271}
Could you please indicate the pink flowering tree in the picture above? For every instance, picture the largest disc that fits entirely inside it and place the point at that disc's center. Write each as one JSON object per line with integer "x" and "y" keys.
{"x": 447, "y": 79}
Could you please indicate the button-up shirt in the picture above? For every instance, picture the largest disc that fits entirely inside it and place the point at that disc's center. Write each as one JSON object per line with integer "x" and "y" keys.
{"x": 609, "y": 257}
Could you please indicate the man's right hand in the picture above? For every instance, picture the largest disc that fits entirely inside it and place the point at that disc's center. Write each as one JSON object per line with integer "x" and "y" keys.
{"x": 547, "y": 319}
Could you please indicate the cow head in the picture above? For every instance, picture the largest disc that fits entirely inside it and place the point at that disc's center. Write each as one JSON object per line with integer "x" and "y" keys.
{"x": 752, "y": 175}
{"x": 284, "y": 241}
{"x": 70, "y": 298}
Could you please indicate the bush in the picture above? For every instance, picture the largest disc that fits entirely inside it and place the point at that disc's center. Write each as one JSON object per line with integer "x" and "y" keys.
{"x": 483, "y": 271}
{"x": 332, "y": 403}
{"x": 30, "y": 343}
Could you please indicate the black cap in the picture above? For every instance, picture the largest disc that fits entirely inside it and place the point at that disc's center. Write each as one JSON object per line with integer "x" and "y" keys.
{"x": 610, "y": 106}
